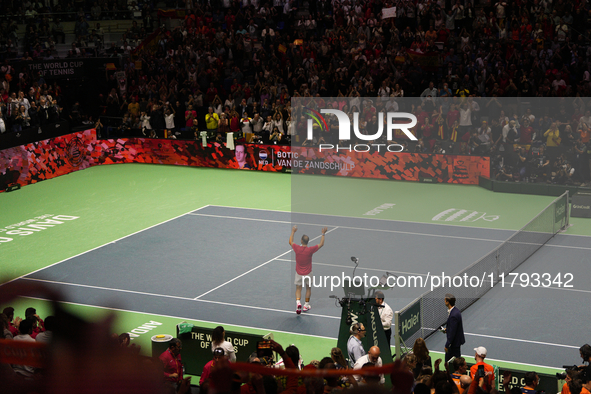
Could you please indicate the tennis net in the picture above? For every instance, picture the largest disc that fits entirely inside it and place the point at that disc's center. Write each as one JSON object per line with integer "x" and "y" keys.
{"x": 426, "y": 314}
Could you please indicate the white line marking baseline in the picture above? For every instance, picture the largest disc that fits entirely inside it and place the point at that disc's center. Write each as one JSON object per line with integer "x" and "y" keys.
{"x": 388, "y": 231}
{"x": 183, "y": 318}
{"x": 523, "y": 340}
{"x": 354, "y": 217}
{"x": 291, "y": 312}
{"x": 350, "y": 228}
{"x": 174, "y": 297}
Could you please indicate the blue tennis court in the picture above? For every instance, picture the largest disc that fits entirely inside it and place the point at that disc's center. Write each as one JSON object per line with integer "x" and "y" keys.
{"x": 235, "y": 266}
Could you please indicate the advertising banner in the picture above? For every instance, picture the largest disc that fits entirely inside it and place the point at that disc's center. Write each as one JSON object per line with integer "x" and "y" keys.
{"x": 65, "y": 68}
{"x": 62, "y": 155}
{"x": 401, "y": 166}
{"x": 410, "y": 322}
{"x": 197, "y": 350}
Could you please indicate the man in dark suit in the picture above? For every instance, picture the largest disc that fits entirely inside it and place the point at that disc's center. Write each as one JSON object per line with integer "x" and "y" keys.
{"x": 454, "y": 329}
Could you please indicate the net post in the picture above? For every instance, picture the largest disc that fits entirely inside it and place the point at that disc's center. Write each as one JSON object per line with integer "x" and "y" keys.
{"x": 567, "y": 213}
{"x": 498, "y": 264}
{"x": 554, "y": 218}
{"x": 422, "y": 318}
{"x": 397, "y": 347}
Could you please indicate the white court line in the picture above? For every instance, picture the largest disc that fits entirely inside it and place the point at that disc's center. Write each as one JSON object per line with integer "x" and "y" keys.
{"x": 184, "y": 318}
{"x": 108, "y": 243}
{"x": 305, "y": 335}
{"x": 361, "y": 268}
{"x": 390, "y": 231}
{"x": 258, "y": 220}
{"x": 523, "y": 340}
{"x": 568, "y": 247}
{"x": 241, "y": 275}
{"x": 389, "y": 220}
{"x": 174, "y": 297}
{"x": 108, "y": 289}
{"x": 361, "y": 217}
{"x": 358, "y": 228}
{"x": 258, "y": 266}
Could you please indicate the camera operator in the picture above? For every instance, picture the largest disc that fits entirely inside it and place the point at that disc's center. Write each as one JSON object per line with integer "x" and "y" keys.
{"x": 522, "y": 163}
{"x": 585, "y": 352}
{"x": 539, "y": 163}
{"x": 578, "y": 377}
{"x": 505, "y": 174}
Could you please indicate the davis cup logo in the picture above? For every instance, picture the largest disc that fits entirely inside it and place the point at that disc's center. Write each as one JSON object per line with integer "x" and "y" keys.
{"x": 345, "y": 129}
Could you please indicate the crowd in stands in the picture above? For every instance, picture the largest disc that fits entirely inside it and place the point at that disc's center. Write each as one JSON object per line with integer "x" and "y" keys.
{"x": 71, "y": 10}
{"x": 417, "y": 374}
{"x": 44, "y": 27}
{"x": 39, "y": 106}
{"x": 234, "y": 66}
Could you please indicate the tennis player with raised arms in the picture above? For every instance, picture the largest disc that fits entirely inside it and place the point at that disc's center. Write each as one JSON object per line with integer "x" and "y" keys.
{"x": 304, "y": 266}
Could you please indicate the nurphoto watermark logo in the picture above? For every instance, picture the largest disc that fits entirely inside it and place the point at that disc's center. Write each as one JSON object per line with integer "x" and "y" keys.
{"x": 344, "y": 126}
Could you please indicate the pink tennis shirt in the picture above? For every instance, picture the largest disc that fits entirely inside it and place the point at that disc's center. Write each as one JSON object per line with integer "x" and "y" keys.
{"x": 304, "y": 258}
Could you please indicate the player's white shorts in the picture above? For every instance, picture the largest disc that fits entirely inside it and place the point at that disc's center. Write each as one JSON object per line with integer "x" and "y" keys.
{"x": 299, "y": 279}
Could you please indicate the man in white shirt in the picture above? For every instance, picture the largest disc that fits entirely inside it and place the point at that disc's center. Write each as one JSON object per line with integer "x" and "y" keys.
{"x": 485, "y": 134}
{"x": 257, "y": 124}
{"x": 585, "y": 120}
{"x": 25, "y": 330}
{"x": 22, "y": 100}
{"x": 507, "y": 137}
{"x": 386, "y": 315}
{"x": 373, "y": 356}
{"x": 431, "y": 91}
{"x": 246, "y": 125}
{"x": 384, "y": 91}
{"x": 46, "y": 335}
